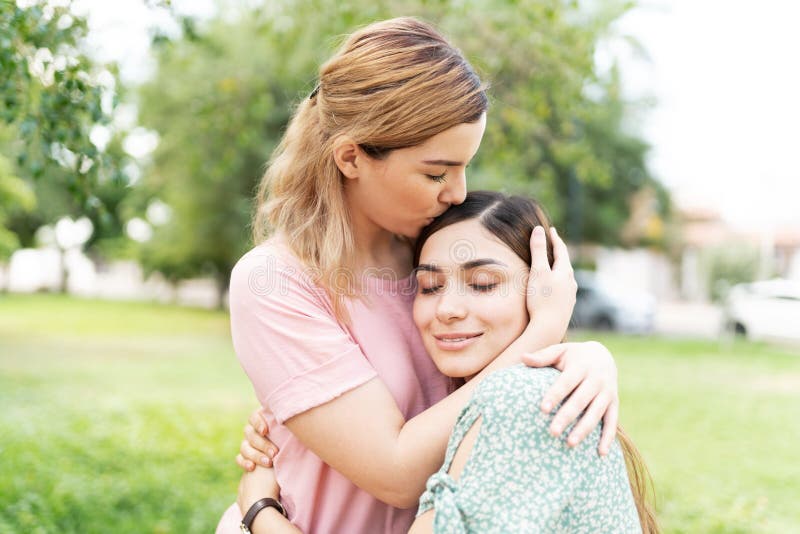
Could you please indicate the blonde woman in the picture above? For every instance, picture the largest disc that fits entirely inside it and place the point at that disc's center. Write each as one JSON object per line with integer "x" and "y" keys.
{"x": 321, "y": 314}
{"x": 503, "y": 471}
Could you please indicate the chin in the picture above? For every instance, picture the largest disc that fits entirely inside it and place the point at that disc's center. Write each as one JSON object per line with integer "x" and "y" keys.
{"x": 457, "y": 366}
{"x": 412, "y": 233}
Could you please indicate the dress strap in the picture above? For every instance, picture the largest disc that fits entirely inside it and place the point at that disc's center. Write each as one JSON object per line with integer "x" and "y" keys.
{"x": 441, "y": 496}
{"x": 441, "y": 489}
{"x": 468, "y": 416}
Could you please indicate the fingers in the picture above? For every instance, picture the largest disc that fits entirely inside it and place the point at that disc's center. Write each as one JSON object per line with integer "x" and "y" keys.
{"x": 578, "y": 401}
{"x": 258, "y": 442}
{"x": 254, "y": 455}
{"x": 257, "y": 421}
{"x": 589, "y": 420}
{"x": 561, "y": 388}
{"x": 610, "y": 422}
{"x": 539, "y": 261}
{"x": 246, "y": 465}
{"x": 256, "y": 449}
{"x": 544, "y": 357}
{"x": 560, "y": 251}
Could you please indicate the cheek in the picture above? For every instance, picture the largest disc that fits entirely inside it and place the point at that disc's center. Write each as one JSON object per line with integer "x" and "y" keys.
{"x": 408, "y": 190}
{"x": 421, "y": 312}
{"x": 506, "y": 314}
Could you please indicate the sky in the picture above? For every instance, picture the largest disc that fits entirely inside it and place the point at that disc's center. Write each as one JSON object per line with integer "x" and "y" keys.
{"x": 723, "y": 74}
{"x": 726, "y": 78}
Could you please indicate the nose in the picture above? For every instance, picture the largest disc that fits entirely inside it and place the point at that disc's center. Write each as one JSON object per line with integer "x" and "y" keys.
{"x": 450, "y": 306}
{"x": 455, "y": 191}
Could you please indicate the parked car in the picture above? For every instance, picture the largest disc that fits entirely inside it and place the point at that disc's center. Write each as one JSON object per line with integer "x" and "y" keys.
{"x": 599, "y": 306}
{"x": 769, "y": 309}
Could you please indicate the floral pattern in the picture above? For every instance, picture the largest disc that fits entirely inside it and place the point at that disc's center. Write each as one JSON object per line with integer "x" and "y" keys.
{"x": 519, "y": 478}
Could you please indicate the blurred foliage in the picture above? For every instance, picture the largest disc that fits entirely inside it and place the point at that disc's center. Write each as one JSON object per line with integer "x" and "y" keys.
{"x": 728, "y": 265}
{"x": 557, "y": 128}
{"x": 13, "y": 192}
{"x": 52, "y": 95}
{"x": 223, "y": 91}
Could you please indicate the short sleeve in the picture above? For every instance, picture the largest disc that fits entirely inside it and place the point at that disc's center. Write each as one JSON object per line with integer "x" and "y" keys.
{"x": 286, "y": 337}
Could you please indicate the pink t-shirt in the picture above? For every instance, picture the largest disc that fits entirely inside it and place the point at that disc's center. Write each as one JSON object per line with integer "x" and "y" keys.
{"x": 298, "y": 356}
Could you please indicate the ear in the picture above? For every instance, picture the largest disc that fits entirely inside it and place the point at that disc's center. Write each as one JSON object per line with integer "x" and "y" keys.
{"x": 348, "y": 156}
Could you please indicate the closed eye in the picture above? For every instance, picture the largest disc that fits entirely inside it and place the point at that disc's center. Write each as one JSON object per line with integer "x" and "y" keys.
{"x": 438, "y": 178}
{"x": 483, "y": 287}
{"x": 429, "y": 290}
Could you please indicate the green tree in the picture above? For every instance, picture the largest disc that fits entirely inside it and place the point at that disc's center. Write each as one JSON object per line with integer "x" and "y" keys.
{"x": 557, "y": 129}
{"x": 51, "y": 97}
{"x": 14, "y": 195}
{"x": 222, "y": 94}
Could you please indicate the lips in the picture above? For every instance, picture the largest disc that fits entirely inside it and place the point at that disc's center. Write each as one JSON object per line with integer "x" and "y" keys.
{"x": 457, "y": 336}
{"x": 435, "y": 216}
{"x": 456, "y": 340}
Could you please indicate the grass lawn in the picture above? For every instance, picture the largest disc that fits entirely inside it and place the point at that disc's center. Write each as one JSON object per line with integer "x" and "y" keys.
{"x": 126, "y": 417}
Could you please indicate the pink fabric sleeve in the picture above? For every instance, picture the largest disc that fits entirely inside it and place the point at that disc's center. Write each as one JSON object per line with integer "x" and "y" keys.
{"x": 295, "y": 352}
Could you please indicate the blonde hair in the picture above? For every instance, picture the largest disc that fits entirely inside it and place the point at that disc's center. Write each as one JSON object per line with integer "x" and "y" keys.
{"x": 392, "y": 84}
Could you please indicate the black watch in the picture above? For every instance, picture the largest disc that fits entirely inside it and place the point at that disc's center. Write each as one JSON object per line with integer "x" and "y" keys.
{"x": 259, "y": 505}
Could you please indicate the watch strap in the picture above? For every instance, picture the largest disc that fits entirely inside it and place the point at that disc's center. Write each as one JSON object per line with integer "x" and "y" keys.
{"x": 257, "y": 506}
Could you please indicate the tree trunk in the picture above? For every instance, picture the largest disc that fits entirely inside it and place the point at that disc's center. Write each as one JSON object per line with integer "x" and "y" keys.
{"x": 63, "y": 274}
{"x": 222, "y": 280}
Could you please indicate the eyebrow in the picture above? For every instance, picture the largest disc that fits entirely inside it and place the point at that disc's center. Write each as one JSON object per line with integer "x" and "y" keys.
{"x": 445, "y": 162}
{"x": 466, "y": 266}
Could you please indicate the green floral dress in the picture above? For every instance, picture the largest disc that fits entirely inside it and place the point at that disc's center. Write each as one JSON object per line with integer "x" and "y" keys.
{"x": 519, "y": 478}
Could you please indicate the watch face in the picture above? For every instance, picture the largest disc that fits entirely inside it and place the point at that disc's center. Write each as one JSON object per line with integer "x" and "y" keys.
{"x": 244, "y": 529}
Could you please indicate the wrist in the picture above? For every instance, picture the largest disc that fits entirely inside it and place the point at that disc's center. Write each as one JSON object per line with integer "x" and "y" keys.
{"x": 265, "y": 520}
{"x": 249, "y": 500}
{"x": 258, "y": 515}
{"x": 532, "y": 339}
{"x": 541, "y": 333}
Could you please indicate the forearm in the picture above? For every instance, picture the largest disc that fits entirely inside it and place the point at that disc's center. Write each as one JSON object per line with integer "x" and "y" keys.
{"x": 270, "y": 521}
{"x": 363, "y": 435}
{"x": 422, "y": 524}
{"x": 422, "y": 440}
{"x": 254, "y": 486}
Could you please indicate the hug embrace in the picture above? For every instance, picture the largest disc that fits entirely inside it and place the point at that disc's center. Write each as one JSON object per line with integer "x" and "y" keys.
{"x": 405, "y": 338}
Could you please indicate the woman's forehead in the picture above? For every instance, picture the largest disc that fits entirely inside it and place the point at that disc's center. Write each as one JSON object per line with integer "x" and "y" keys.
{"x": 456, "y": 145}
{"x": 464, "y": 242}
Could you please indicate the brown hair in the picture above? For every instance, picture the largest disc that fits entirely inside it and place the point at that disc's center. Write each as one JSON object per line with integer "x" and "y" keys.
{"x": 512, "y": 220}
{"x": 392, "y": 84}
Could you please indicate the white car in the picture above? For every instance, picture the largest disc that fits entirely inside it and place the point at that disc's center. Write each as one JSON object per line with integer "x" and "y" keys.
{"x": 769, "y": 309}
{"x": 603, "y": 307}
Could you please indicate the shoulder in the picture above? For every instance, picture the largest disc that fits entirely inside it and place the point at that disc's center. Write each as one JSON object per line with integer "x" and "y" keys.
{"x": 509, "y": 402}
{"x": 518, "y": 384}
{"x": 271, "y": 273}
{"x": 268, "y": 259}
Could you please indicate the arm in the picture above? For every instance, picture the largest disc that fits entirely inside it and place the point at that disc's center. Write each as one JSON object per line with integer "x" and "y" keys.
{"x": 358, "y": 430}
{"x": 270, "y": 521}
{"x": 364, "y": 436}
{"x": 374, "y": 449}
{"x": 391, "y": 458}
{"x": 423, "y": 524}
{"x": 589, "y": 374}
{"x": 252, "y": 487}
